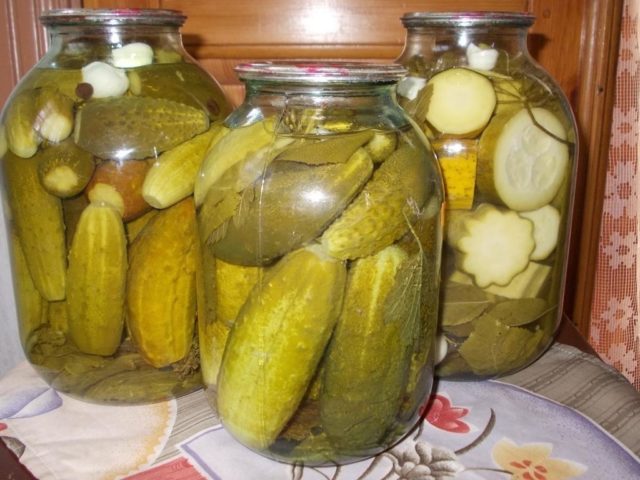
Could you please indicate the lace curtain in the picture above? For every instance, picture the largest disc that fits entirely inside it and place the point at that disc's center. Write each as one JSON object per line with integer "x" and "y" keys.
{"x": 615, "y": 323}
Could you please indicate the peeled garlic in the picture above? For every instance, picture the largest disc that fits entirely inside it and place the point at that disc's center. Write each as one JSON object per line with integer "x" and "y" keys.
{"x": 409, "y": 87}
{"x": 441, "y": 349}
{"x": 481, "y": 58}
{"x": 107, "y": 81}
{"x": 132, "y": 55}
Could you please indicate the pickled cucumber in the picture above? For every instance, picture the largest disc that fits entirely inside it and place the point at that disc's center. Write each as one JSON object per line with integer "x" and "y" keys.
{"x": 37, "y": 216}
{"x": 380, "y": 214}
{"x": 233, "y": 286}
{"x": 57, "y": 316}
{"x": 72, "y": 209}
{"x": 236, "y": 147}
{"x": 381, "y": 145}
{"x": 161, "y": 289}
{"x": 180, "y": 82}
{"x": 19, "y": 121}
{"x": 368, "y": 359}
{"x": 208, "y": 338}
{"x": 96, "y": 281}
{"x": 124, "y": 128}
{"x": 54, "y": 120}
{"x": 65, "y": 80}
{"x": 65, "y": 169}
{"x": 292, "y": 204}
{"x": 265, "y": 374}
{"x": 172, "y": 175}
{"x": 31, "y": 307}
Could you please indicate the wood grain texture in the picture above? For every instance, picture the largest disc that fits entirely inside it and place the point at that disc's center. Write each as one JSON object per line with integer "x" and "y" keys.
{"x": 22, "y": 39}
{"x": 20, "y": 44}
{"x": 594, "y": 109}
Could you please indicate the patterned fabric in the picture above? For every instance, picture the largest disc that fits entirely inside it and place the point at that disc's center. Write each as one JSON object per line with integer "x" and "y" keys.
{"x": 615, "y": 324}
{"x": 568, "y": 415}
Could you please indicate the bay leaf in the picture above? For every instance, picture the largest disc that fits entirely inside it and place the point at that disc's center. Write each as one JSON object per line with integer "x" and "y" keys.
{"x": 334, "y": 149}
{"x": 518, "y": 312}
{"x": 462, "y": 303}
{"x": 403, "y": 301}
{"x": 495, "y": 348}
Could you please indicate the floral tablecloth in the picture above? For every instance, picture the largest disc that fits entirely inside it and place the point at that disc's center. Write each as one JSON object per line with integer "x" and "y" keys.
{"x": 567, "y": 416}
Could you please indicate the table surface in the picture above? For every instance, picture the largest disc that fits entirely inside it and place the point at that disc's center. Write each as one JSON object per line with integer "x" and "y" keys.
{"x": 10, "y": 467}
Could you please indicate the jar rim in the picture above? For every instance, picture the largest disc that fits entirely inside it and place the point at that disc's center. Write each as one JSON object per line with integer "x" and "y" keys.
{"x": 112, "y": 17}
{"x": 335, "y": 72}
{"x": 467, "y": 19}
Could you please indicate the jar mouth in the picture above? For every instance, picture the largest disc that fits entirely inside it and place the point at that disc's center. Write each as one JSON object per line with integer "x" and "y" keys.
{"x": 467, "y": 19}
{"x": 112, "y": 17}
{"x": 321, "y": 72}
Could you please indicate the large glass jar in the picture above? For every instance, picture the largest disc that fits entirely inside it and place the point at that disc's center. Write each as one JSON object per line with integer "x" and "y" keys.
{"x": 505, "y": 139}
{"x": 319, "y": 210}
{"x": 101, "y": 143}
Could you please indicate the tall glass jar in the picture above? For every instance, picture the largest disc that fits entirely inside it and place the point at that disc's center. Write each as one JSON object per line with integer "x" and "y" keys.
{"x": 101, "y": 143}
{"x": 320, "y": 215}
{"x": 505, "y": 139}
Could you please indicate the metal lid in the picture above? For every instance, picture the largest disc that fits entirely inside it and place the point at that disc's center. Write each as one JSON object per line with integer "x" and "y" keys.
{"x": 467, "y": 19}
{"x": 321, "y": 72}
{"x": 120, "y": 16}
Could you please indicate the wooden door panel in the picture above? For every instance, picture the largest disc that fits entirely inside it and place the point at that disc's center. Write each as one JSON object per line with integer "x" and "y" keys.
{"x": 310, "y": 22}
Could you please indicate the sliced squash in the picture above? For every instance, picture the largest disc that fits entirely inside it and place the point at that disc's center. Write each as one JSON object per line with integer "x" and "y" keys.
{"x": 462, "y": 102}
{"x": 495, "y": 245}
{"x": 523, "y": 158}
{"x": 546, "y": 228}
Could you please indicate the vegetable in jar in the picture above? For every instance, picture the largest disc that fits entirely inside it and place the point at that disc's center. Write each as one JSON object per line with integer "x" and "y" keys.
{"x": 102, "y": 143}
{"x": 319, "y": 212}
{"x": 505, "y": 139}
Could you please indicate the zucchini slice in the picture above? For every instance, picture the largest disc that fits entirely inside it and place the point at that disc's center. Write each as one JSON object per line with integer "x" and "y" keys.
{"x": 546, "y": 227}
{"x": 523, "y": 163}
{"x": 462, "y": 102}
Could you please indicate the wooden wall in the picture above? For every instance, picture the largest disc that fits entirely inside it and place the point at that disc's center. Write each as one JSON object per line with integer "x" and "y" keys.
{"x": 576, "y": 41}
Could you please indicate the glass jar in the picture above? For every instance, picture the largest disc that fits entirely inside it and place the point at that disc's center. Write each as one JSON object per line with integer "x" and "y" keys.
{"x": 101, "y": 143}
{"x": 505, "y": 139}
{"x": 320, "y": 216}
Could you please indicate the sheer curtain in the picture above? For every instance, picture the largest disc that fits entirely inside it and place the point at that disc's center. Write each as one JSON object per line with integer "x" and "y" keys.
{"x": 615, "y": 323}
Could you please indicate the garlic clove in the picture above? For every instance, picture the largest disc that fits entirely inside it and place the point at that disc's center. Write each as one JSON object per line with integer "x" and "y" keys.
{"x": 481, "y": 58}
{"x": 107, "y": 81}
{"x": 409, "y": 87}
{"x": 132, "y": 55}
{"x": 441, "y": 349}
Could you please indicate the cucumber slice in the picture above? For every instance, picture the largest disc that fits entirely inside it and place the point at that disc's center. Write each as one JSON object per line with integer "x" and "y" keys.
{"x": 521, "y": 163}
{"x": 546, "y": 227}
{"x": 462, "y": 102}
